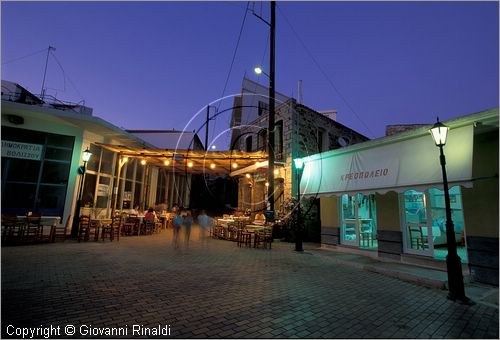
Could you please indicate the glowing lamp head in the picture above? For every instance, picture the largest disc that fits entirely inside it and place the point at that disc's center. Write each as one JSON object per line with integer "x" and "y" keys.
{"x": 86, "y": 155}
{"x": 143, "y": 161}
{"x": 213, "y": 147}
{"x": 166, "y": 162}
{"x": 439, "y": 133}
{"x": 190, "y": 164}
{"x": 267, "y": 184}
{"x": 299, "y": 163}
{"x": 257, "y": 70}
{"x": 248, "y": 176}
{"x": 276, "y": 171}
{"x": 212, "y": 166}
{"x": 235, "y": 165}
{"x": 125, "y": 159}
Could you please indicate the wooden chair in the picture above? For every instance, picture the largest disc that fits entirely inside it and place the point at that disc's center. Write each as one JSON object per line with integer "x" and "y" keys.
{"x": 86, "y": 229}
{"x": 264, "y": 238}
{"x": 32, "y": 229}
{"x": 60, "y": 231}
{"x": 116, "y": 226}
{"x": 244, "y": 237}
{"x": 416, "y": 236}
{"x": 131, "y": 226}
{"x": 12, "y": 229}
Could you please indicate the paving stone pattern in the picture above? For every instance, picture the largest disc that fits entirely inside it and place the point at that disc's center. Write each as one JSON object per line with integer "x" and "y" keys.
{"x": 213, "y": 289}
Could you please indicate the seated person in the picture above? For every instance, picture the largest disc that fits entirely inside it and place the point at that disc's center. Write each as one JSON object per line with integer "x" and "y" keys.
{"x": 150, "y": 216}
{"x": 259, "y": 218}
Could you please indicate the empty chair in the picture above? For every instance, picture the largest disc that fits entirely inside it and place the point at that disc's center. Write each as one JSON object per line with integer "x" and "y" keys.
{"x": 60, "y": 231}
{"x": 32, "y": 228}
{"x": 263, "y": 238}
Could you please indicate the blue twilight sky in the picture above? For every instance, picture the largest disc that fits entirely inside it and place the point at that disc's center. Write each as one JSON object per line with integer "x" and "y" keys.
{"x": 154, "y": 65}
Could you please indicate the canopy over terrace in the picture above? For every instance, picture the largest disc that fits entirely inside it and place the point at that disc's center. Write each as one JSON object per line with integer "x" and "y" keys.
{"x": 189, "y": 161}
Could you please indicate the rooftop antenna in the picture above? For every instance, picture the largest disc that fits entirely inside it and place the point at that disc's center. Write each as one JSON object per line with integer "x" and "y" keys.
{"x": 45, "y": 72}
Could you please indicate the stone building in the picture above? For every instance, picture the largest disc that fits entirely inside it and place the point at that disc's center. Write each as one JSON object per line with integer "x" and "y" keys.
{"x": 299, "y": 131}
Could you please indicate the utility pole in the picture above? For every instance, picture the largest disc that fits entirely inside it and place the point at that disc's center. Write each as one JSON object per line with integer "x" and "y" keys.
{"x": 206, "y": 128}
{"x": 42, "y": 93}
{"x": 272, "y": 93}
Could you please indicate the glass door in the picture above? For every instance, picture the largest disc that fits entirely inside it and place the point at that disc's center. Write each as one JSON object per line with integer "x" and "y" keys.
{"x": 417, "y": 230}
{"x": 359, "y": 221}
{"x": 349, "y": 229}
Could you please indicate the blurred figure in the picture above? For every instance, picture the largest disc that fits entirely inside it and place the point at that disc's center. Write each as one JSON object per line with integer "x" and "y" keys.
{"x": 205, "y": 223}
{"x": 150, "y": 216}
{"x": 177, "y": 224}
{"x": 188, "y": 221}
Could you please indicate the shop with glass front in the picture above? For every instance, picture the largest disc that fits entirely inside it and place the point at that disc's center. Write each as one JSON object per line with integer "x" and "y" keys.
{"x": 385, "y": 197}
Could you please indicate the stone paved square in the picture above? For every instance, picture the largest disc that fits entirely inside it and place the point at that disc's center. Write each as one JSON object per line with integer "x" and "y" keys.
{"x": 213, "y": 289}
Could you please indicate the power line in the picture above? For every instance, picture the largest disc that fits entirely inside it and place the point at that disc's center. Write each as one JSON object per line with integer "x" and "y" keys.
{"x": 26, "y": 56}
{"x": 232, "y": 61}
{"x": 324, "y": 73}
{"x": 66, "y": 76}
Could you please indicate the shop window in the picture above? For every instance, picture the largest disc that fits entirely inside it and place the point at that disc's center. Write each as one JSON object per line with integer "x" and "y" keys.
{"x": 26, "y": 183}
{"x": 19, "y": 196}
{"x": 93, "y": 163}
{"x": 103, "y": 192}
{"x": 130, "y": 168}
{"x": 107, "y": 162}
{"x": 359, "y": 221}
{"x": 89, "y": 190}
{"x": 55, "y": 172}
{"x": 57, "y": 154}
{"x": 21, "y": 170}
{"x": 424, "y": 225}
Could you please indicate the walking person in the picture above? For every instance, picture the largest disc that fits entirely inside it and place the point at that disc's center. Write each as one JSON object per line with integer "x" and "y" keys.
{"x": 188, "y": 221}
{"x": 205, "y": 222}
{"x": 177, "y": 224}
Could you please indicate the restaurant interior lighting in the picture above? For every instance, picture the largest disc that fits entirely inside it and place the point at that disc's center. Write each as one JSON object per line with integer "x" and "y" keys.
{"x": 166, "y": 162}
{"x": 248, "y": 176}
{"x": 235, "y": 165}
{"x": 190, "y": 164}
{"x": 143, "y": 161}
{"x": 276, "y": 171}
{"x": 125, "y": 159}
{"x": 212, "y": 166}
{"x": 267, "y": 184}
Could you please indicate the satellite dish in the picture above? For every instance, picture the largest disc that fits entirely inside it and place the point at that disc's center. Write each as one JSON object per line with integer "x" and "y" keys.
{"x": 343, "y": 141}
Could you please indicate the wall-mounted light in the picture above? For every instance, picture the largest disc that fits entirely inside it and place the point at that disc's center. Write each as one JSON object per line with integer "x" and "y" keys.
{"x": 166, "y": 162}
{"x": 212, "y": 166}
{"x": 248, "y": 175}
{"x": 235, "y": 165}
{"x": 143, "y": 161}
{"x": 190, "y": 164}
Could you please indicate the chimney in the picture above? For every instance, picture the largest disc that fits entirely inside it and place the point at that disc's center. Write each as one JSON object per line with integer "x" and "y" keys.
{"x": 299, "y": 92}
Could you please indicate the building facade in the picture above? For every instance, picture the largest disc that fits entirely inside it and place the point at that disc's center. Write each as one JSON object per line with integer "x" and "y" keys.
{"x": 385, "y": 198}
{"x": 299, "y": 131}
{"x": 42, "y": 145}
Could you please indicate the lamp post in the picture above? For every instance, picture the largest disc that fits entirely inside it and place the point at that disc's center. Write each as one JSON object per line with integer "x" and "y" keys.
{"x": 456, "y": 289}
{"x": 81, "y": 170}
{"x": 299, "y": 164}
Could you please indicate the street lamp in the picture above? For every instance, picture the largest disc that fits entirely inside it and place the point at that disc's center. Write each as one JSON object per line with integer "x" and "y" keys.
{"x": 81, "y": 170}
{"x": 456, "y": 290}
{"x": 299, "y": 164}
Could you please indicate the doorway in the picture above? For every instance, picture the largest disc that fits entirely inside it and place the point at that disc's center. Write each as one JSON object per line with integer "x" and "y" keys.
{"x": 359, "y": 221}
